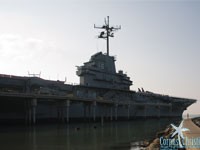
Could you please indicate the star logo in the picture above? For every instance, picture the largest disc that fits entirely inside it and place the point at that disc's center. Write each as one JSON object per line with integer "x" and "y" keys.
{"x": 179, "y": 130}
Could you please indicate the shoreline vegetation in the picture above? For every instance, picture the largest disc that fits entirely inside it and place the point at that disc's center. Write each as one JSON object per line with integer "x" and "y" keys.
{"x": 154, "y": 144}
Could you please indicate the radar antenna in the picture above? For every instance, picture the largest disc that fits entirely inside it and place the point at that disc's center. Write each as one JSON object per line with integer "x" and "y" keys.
{"x": 109, "y": 32}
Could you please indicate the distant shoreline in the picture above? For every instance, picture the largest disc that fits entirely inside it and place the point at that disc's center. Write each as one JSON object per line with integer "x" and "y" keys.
{"x": 192, "y": 116}
{"x": 196, "y": 121}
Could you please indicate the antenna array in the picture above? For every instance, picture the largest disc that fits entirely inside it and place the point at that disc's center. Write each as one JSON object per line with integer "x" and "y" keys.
{"x": 108, "y": 32}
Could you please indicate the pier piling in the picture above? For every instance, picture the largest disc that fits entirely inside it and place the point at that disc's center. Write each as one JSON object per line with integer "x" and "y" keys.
{"x": 111, "y": 113}
{"x": 116, "y": 106}
{"x": 94, "y": 110}
{"x": 33, "y": 105}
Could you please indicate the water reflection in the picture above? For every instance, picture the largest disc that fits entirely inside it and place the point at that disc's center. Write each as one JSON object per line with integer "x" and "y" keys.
{"x": 110, "y": 136}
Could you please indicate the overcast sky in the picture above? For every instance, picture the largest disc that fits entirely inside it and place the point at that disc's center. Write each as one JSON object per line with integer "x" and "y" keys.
{"x": 158, "y": 45}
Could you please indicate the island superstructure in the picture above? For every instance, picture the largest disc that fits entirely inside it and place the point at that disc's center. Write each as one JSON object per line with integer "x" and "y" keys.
{"x": 103, "y": 93}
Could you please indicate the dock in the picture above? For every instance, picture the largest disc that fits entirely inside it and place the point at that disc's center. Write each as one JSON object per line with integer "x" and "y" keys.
{"x": 30, "y": 103}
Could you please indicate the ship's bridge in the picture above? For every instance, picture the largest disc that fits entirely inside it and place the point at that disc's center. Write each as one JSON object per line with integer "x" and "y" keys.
{"x": 100, "y": 71}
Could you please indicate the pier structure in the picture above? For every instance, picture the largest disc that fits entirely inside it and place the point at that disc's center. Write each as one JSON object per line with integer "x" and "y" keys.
{"x": 30, "y": 111}
{"x": 33, "y": 105}
{"x": 192, "y": 135}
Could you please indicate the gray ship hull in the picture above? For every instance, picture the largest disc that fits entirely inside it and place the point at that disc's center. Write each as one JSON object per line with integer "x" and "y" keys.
{"x": 32, "y": 99}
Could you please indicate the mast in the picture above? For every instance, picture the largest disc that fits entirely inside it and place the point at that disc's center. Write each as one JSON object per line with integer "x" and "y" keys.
{"x": 108, "y": 32}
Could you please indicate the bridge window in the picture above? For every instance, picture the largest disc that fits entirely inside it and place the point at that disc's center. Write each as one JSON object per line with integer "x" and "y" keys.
{"x": 101, "y": 65}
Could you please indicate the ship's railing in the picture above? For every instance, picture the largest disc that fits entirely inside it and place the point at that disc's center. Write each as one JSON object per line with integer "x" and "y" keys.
{"x": 71, "y": 83}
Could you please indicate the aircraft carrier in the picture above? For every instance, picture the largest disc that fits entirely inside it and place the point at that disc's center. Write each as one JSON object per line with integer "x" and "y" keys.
{"x": 103, "y": 94}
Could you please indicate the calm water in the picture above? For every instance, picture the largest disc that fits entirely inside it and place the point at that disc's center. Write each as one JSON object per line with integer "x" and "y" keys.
{"x": 93, "y": 136}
